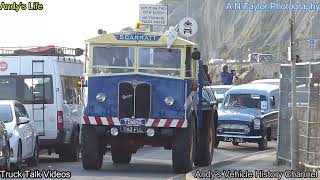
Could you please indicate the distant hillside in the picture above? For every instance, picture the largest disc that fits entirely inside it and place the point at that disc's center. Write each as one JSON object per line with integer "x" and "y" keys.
{"x": 234, "y": 34}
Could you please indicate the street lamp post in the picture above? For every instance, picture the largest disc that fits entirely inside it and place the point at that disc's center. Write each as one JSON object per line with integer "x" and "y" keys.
{"x": 294, "y": 122}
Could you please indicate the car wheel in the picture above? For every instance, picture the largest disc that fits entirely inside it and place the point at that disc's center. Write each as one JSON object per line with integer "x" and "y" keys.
{"x": 216, "y": 143}
{"x": 34, "y": 161}
{"x": 6, "y": 155}
{"x": 17, "y": 166}
{"x": 235, "y": 143}
{"x": 263, "y": 143}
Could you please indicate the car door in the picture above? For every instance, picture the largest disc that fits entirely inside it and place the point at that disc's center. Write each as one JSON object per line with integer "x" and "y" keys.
{"x": 29, "y": 130}
{"x": 22, "y": 131}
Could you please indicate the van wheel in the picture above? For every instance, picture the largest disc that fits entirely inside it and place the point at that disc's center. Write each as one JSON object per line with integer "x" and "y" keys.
{"x": 17, "y": 166}
{"x": 71, "y": 153}
{"x": 183, "y": 149}
{"x": 34, "y": 161}
{"x": 120, "y": 156}
{"x": 92, "y": 155}
{"x": 206, "y": 143}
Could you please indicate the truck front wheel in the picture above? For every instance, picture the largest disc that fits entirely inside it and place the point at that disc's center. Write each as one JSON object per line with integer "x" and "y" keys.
{"x": 183, "y": 149}
{"x": 120, "y": 156}
{"x": 92, "y": 155}
{"x": 206, "y": 141}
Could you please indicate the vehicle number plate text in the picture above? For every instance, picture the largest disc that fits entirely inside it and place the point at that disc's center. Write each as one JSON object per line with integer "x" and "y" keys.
{"x": 132, "y": 129}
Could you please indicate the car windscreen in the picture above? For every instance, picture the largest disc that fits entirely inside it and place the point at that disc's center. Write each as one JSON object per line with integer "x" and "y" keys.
{"x": 252, "y": 101}
{"x": 5, "y": 113}
{"x": 27, "y": 89}
{"x": 219, "y": 90}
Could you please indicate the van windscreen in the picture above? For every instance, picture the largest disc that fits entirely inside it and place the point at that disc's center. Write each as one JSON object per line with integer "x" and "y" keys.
{"x": 27, "y": 89}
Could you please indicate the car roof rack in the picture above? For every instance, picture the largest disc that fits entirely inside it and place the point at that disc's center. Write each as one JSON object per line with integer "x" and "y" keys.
{"x": 50, "y": 50}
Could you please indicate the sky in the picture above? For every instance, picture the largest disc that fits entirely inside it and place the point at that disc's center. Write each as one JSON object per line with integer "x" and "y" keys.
{"x": 66, "y": 23}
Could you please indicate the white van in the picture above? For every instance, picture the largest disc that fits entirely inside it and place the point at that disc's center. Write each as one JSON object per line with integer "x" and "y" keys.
{"x": 44, "y": 81}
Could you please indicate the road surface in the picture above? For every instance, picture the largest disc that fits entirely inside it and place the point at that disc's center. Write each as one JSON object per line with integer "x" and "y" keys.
{"x": 147, "y": 163}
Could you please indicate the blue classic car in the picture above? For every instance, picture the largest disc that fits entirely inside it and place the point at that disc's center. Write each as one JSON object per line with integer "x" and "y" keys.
{"x": 249, "y": 114}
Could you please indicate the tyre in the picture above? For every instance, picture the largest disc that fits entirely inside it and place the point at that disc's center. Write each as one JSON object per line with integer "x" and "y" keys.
{"x": 183, "y": 149}
{"x": 17, "y": 166}
{"x": 34, "y": 161}
{"x": 71, "y": 153}
{"x": 263, "y": 142}
{"x": 216, "y": 143}
{"x": 235, "y": 143}
{"x": 6, "y": 154}
{"x": 91, "y": 152}
{"x": 119, "y": 156}
{"x": 206, "y": 143}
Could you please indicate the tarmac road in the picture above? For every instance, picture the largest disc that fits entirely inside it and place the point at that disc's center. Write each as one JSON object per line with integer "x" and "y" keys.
{"x": 147, "y": 163}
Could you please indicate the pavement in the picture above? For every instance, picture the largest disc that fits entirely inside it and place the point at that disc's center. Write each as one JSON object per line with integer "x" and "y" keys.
{"x": 258, "y": 165}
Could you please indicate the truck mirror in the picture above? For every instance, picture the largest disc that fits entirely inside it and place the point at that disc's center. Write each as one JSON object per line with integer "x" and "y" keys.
{"x": 196, "y": 55}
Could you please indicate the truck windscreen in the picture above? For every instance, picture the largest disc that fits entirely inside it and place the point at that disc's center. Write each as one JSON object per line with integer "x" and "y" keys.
{"x": 160, "y": 61}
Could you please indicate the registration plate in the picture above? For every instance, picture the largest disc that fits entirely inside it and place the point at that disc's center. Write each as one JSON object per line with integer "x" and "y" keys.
{"x": 133, "y": 122}
{"x": 132, "y": 129}
{"x": 229, "y": 139}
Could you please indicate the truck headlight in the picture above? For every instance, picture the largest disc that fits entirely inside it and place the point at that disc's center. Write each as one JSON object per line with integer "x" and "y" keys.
{"x": 101, "y": 97}
{"x": 220, "y": 129}
{"x": 169, "y": 101}
{"x": 256, "y": 123}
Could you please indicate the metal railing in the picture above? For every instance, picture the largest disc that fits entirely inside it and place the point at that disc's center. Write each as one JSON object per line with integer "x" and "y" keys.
{"x": 308, "y": 113}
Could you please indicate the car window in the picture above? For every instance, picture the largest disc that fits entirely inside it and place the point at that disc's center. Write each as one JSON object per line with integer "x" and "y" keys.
{"x": 22, "y": 110}
{"x": 17, "y": 113}
{"x": 5, "y": 113}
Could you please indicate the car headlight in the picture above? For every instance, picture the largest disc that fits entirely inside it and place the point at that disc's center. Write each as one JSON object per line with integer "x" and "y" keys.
{"x": 256, "y": 123}
{"x": 169, "y": 101}
{"x": 101, "y": 97}
{"x": 220, "y": 128}
{"x": 246, "y": 129}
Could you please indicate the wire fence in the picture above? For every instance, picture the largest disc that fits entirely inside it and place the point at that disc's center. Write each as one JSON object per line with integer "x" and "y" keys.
{"x": 308, "y": 113}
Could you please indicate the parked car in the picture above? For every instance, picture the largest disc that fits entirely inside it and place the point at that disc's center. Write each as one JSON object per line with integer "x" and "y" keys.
{"x": 217, "y": 61}
{"x": 4, "y": 143}
{"x": 219, "y": 91}
{"x": 24, "y": 141}
{"x": 249, "y": 114}
{"x": 267, "y": 81}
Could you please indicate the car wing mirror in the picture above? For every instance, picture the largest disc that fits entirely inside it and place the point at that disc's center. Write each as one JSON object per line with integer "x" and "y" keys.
{"x": 23, "y": 120}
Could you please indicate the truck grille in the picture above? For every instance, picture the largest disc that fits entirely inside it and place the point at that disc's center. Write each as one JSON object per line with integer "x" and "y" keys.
{"x": 134, "y": 99}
